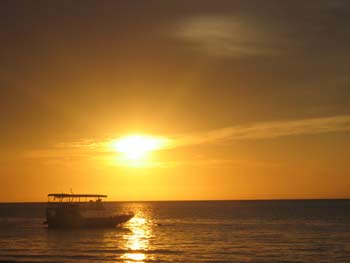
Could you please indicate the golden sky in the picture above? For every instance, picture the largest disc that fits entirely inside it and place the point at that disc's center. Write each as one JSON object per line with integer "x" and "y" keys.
{"x": 175, "y": 100}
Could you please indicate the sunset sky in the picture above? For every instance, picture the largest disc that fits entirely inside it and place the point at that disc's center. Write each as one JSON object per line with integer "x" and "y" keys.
{"x": 175, "y": 100}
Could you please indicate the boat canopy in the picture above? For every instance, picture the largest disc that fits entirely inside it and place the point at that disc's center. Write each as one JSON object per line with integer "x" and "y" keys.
{"x": 76, "y": 195}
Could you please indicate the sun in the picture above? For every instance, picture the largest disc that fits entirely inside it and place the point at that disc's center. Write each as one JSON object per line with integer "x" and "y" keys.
{"x": 136, "y": 147}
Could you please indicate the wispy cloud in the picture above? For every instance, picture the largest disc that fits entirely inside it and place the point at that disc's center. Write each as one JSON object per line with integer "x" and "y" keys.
{"x": 268, "y": 130}
{"x": 97, "y": 149}
{"x": 224, "y": 35}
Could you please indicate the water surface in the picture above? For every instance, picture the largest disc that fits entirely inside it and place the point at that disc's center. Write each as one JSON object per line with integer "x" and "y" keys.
{"x": 213, "y": 231}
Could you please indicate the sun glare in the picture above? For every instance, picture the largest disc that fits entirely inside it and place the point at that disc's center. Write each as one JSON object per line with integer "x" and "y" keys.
{"x": 136, "y": 147}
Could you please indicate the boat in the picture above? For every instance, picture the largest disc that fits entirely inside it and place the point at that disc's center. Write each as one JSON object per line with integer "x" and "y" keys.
{"x": 81, "y": 211}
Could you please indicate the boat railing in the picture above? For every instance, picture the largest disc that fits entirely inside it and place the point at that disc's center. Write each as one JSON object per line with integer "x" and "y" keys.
{"x": 70, "y": 199}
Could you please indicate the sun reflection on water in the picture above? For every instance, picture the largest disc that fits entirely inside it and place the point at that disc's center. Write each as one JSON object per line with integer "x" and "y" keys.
{"x": 137, "y": 242}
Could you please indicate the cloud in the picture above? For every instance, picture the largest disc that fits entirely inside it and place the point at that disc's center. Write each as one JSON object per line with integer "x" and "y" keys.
{"x": 268, "y": 130}
{"x": 223, "y": 35}
{"x": 102, "y": 149}
{"x": 213, "y": 162}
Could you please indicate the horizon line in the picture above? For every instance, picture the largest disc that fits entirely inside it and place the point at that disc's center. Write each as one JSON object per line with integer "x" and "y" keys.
{"x": 201, "y": 200}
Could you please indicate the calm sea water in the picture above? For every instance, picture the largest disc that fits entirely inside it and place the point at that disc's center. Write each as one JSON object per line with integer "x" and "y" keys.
{"x": 214, "y": 231}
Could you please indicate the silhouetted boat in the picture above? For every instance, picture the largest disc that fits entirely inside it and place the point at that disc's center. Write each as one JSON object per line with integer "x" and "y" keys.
{"x": 81, "y": 211}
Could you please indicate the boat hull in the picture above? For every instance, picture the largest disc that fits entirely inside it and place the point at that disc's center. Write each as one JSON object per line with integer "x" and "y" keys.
{"x": 72, "y": 218}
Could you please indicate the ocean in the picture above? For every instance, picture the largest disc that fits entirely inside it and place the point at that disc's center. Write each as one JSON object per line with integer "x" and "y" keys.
{"x": 187, "y": 231}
